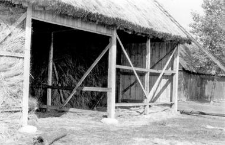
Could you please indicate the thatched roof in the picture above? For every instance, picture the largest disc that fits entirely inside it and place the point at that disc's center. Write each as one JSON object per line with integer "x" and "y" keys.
{"x": 194, "y": 60}
{"x": 138, "y": 16}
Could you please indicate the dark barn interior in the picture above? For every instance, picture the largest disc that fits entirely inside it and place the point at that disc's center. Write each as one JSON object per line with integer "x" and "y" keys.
{"x": 73, "y": 53}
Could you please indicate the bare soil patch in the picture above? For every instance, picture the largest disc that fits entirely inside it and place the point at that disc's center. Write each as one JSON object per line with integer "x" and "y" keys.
{"x": 161, "y": 127}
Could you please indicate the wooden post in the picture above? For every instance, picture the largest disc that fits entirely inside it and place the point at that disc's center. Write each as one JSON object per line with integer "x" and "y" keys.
{"x": 175, "y": 79}
{"x": 112, "y": 78}
{"x": 147, "y": 75}
{"x": 50, "y": 64}
{"x": 26, "y": 81}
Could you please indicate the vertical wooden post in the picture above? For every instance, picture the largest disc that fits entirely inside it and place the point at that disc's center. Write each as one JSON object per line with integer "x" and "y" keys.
{"x": 26, "y": 74}
{"x": 50, "y": 64}
{"x": 112, "y": 78}
{"x": 147, "y": 75}
{"x": 175, "y": 79}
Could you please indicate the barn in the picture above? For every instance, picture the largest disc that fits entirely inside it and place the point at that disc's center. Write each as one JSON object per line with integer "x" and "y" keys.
{"x": 124, "y": 50}
{"x": 195, "y": 82}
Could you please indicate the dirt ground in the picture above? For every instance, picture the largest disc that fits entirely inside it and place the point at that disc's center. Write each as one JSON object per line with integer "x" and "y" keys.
{"x": 161, "y": 126}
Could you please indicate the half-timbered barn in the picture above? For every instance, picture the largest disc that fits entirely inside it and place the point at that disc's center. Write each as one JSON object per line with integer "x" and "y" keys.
{"x": 133, "y": 43}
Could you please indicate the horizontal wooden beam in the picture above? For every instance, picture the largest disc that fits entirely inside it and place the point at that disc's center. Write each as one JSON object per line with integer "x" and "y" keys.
{"x": 141, "y": 104}
{"x": 10, "y": 54}
{"x": 95, "y": 89}
{"x": 145, "y": 70}
{"x": 53, "y": 18}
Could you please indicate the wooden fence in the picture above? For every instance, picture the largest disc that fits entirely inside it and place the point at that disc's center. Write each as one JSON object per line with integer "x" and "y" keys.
{"x": 197, "y": 87}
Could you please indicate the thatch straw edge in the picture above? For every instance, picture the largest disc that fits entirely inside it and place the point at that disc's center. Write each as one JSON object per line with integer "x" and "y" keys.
{"x": 65, "y": 9}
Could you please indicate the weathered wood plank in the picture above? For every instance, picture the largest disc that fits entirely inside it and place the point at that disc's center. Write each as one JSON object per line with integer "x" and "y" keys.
{"x": 111, "y": 96}
{"x": 166, "y": 72}
{"x": 94, "y": 89}
{"x": 26, "y": 82}
{"x": 9, "y": 54}
{"x": 131, "y": 65}
{"x": 160, "y": 76}
{"x": 147, "y": 75}
{"x": 141, "y": 104}
{"x": 175, "y": 78}
{"x": 50, "y": 66}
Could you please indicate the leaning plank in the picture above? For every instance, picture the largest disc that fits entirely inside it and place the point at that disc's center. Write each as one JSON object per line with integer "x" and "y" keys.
{"x": 86, "y": 74}
{"x": 139, "y": 81}
{"x": 26, "y": 82}
{"x": 50, "y": 66}
{"x": 160, "y": 76}
{"x": 169, "y": 72}
{"x": 9, "y": 54}
{"x": 57, "y": 79}
{"x": 141, "y": 104}
{"x": 14, "y": 26}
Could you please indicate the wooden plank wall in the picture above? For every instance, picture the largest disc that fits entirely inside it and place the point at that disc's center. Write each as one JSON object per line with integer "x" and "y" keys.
{"x": 194, "y": 87}
{"x": 137, "y": 53}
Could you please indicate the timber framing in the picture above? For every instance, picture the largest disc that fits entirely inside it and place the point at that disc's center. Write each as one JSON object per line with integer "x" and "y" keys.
{"x": 26, "y": 82}
{"x": 112, "y": 66}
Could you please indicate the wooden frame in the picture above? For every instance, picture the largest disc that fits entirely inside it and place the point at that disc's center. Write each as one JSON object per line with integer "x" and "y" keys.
{"x": 135, "y": 73}
{"x": 86, "y": 74}
{"x": 147, "y": 70}
{"x": 147, "y": 75}
{"x": 175, "y": 79}
{"x": 150, "y": 95}
{"x": 111, "y": 96}
{"x": 111, "y": 89}
{"x": 50, "y": 70}
{"x": 27, "y": 66}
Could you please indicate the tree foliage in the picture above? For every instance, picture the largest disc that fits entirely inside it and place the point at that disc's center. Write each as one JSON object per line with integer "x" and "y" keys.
{"x": 209, "y": 30}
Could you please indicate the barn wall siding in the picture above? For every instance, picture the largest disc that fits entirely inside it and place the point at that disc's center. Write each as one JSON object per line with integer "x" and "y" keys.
{"x": 137, "y": 53}
{"x": 200, "y": 88}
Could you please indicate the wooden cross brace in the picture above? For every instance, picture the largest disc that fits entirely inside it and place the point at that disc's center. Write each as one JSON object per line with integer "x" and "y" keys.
{"x": 86, "y": 74}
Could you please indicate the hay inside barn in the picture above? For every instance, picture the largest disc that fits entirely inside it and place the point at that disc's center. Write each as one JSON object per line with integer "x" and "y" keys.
{"x": 74, "y": 52}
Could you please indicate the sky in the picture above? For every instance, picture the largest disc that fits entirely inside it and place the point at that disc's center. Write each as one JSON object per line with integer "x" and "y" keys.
{"x": 181, "y": 10}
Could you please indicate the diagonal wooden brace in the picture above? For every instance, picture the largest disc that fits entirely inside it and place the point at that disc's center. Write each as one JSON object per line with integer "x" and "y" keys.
{"x": 86, "y": 74}
{"x": 160, "y": 76}
{"x": 14, "y": 26}
{"x": 139, "y": 81}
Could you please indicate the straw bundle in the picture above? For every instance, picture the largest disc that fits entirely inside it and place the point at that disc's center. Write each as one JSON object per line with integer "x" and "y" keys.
{"x": 71, "y": 69}
{"x": 11, "y": 69}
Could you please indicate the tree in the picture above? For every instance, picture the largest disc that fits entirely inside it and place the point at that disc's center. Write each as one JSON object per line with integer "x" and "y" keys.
{"x": 209, "y": 30}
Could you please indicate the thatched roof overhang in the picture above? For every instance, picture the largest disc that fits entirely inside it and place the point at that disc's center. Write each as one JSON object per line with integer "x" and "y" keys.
{"x": 141, "y": 17}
